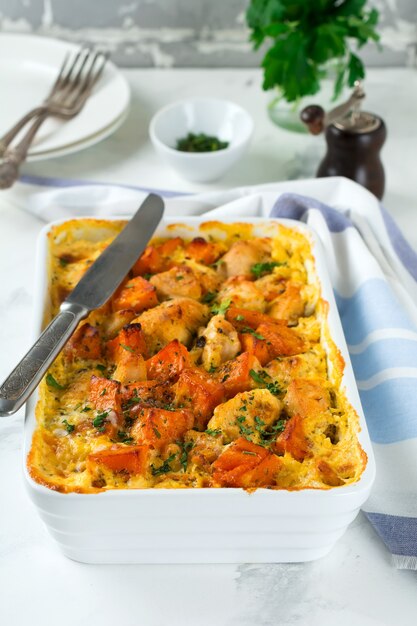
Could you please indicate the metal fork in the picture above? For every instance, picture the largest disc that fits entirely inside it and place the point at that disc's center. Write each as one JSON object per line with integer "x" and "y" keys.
{"x": 67, "y": 97}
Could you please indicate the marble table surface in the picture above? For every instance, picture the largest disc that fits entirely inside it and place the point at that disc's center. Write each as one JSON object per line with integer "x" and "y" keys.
{"x": 355, "y": 583}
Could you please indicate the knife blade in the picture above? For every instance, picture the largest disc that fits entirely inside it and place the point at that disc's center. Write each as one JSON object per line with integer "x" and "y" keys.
{"x": 105, "y": 275}
{"x": 93, "y": 290}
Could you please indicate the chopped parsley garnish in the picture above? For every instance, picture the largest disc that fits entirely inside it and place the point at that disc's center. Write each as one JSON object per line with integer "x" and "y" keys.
{"x": 264, "y": 268}
{"x": 220, "y": 309}
{"x": 164, "y": 468}
{"x": 133, "y": 400}
{"x": 63, "y": 262}
{"x": 169, "y": 407}
{"x": 68, "y": 427}
{"x": 209, "y": 297}
{"x": 262, "y": 378}
{"x": 180, "y": 277}
{"x": 249, "y": 452}
{"x": 259, "y": 422}
{"x": 128, "y": 348}
{"x": 274, "y": 388}
{"x": 147, "y": 276}
{"x": 268, "y": 435}
{"x": 212, "y": 369}
{"x": 51, "y": 382}
{"x": 98, "y": 421}
{"x": 103, "y": 393}
{"x": 250, "y": 331}
{"x": 239, "y": 318}
{"x": 157, "y": 433}
{"x": 186, "y": 446}
{"x": 256, "y": 377}
{"x": 279, "y": 426}
{"x": 100, "y": 367}
{"x": 85, "y": 409}
{"x": 244, "y": 430}
{"x": 200, "y": 143}
{"x": 124, "y": 437}
{"x": 213, "y": 432}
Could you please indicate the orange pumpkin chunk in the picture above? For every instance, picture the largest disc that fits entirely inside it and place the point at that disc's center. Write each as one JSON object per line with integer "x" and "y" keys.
{"x": 157, "y": 259}
{"x": 169, "y": 246}
{"x": 243, "y": 318}
{"x": 150, "y": 262}
{"x": 132, "y": 459}
{"x": 235, "y": 375}
{"x": 158, "y": 427}
{"x": 130, "y": 340}
{"x": 293, "y": 439}
{"x": 282, "y": 341}
{"x": 203, "y": 251}
{"x": 151, "y": 392}
{"x": 106, "y": 398}
{"x": 105, "y": 394}
{"x": 168, "y": 363}
{"x": 258, "y": 347}
{"x": 245, "y": 464}
{"x": 85, "y": 343}
{"x": 197, "y": 389}
{"x": 137, "y": 294}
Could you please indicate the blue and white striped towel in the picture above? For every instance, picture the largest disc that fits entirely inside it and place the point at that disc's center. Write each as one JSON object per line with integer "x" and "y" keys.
{"x": 374, "y": 275}
{"x": 382, "y": 341}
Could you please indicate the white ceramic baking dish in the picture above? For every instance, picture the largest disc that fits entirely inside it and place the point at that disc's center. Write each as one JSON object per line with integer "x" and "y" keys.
{"x": 202, "y": 525}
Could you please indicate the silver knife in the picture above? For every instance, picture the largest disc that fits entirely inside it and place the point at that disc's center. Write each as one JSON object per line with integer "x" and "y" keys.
{"x": 94, "y": 289}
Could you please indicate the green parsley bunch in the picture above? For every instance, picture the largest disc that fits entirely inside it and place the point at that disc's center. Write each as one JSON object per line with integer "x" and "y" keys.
{"x": 306, "y": 35}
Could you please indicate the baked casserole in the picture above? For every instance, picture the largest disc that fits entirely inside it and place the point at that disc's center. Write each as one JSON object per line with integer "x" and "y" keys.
{"x": 211, "y": 366}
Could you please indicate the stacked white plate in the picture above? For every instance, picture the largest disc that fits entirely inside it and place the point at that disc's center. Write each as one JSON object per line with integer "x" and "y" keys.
{"x": 29, "y": 66}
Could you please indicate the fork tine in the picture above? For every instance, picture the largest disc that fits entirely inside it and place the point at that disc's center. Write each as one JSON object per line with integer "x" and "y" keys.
{"x": 78, "y": 82}
{"x": 77, "y": 86}
{"x": 100, "y": 70}
{"x": 91, "y": 79}
{"x": 60, "y": 75}
{"x": 88, "y": 80}
{"x": 87, "y": 56}
{"x": 72, "y": 67}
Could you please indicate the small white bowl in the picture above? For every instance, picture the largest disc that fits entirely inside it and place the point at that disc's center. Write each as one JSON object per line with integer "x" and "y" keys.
{"x": 219, "y": 118}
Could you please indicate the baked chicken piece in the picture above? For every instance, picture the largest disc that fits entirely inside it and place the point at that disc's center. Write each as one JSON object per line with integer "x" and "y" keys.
{"x": 247, "y": 414}
{"x": 243, "y": 255}
{"x": 221, "y": 342}
{"x": 179, "y": 319}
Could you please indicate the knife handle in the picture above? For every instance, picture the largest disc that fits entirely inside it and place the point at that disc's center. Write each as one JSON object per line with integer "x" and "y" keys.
{"x": 27, "y": 375}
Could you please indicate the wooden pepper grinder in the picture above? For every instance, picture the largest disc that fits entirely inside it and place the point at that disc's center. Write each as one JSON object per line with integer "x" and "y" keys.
{"x": 354, "y": 141}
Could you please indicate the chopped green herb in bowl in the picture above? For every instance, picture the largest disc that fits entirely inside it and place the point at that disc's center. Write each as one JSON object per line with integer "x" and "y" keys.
{"x": 200, "y": 143}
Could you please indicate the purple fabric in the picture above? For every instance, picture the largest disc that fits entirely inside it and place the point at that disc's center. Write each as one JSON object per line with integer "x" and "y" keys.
{"x": 398, "y": 533}
{"x": 60, "y": 182}
{"x": 407, "y": 255}
{"x": 293, "y": 206}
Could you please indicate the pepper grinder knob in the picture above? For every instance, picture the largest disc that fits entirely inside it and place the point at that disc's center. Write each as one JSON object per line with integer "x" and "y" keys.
{"x": 313, "y": 117}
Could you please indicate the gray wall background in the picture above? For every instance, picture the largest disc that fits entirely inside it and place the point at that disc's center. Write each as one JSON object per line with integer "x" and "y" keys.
{"x": 184, "y": 33}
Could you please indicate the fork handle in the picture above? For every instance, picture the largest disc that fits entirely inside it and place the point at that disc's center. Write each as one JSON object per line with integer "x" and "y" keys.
{"x": 7, "y": 138}
{"x": 13, "y": 158}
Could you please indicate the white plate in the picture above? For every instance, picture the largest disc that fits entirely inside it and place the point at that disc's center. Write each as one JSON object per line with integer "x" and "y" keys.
{"x": 28, "y": 68}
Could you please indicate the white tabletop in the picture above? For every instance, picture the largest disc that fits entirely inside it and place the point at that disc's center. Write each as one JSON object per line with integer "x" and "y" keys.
{"x": 356, "y": 583}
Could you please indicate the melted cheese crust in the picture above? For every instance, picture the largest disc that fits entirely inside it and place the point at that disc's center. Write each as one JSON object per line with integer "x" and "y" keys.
{"x": 211, "y": 366}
